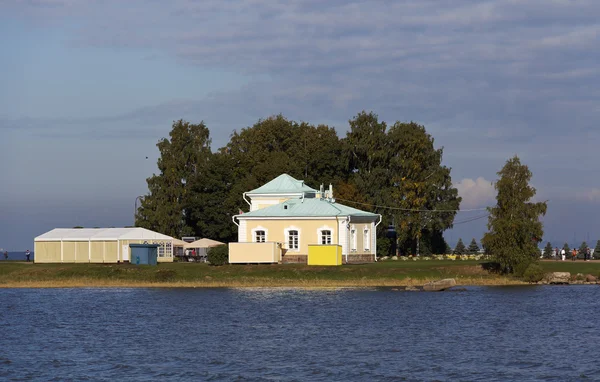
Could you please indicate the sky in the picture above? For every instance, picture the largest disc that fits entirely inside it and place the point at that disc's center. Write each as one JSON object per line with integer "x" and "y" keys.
{"x": 87, "y": 88}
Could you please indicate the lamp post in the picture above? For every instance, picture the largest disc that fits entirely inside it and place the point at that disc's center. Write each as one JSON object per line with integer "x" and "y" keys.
{"x": 136, "y": 207}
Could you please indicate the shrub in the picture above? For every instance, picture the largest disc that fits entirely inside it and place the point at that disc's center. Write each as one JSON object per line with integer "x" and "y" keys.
{"x": 218, "y": 255}
{"x": 533, "y": 273}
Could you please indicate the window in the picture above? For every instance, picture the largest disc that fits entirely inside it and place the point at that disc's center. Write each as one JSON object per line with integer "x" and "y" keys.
{"x": 353, "y": 238}
{"x": 326, "y": 236}
{"x": 260, "y": 236}
{"x": 293, "y": 239}
{"x": 366, "y": 240}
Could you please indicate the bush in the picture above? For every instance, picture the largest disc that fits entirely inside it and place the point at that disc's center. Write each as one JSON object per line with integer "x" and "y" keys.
{"x": 533, "y": 273}
{"x": 218, "y": 255}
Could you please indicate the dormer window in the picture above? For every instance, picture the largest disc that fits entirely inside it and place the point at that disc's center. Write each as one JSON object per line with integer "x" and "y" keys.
{"x": 285, "y": 207}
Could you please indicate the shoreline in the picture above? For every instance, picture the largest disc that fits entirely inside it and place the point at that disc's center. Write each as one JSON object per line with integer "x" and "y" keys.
{"x": 282, "y": 283}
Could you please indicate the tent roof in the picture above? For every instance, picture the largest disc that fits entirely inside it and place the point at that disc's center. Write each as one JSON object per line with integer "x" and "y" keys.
{"x": 179, "y": 243}
{"x": 203, "y": 243}
{"x": 307, "y": 208}
{"x": 283, "y": 184}
{"x": 101, "y": 234}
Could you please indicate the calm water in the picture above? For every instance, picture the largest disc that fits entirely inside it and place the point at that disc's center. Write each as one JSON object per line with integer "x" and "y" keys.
{"x": 16, "y": 256}
{"x": 483, "y": 334}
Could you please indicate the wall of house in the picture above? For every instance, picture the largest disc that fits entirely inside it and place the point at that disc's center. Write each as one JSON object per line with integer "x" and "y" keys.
{"x": 308, "y": 232}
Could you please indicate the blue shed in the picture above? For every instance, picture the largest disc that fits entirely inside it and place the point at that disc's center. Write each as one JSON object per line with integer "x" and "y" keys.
{"x": 144, "y": 253}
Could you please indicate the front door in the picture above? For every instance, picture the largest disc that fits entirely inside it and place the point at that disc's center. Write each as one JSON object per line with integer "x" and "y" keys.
{"x": 125, "y": 253}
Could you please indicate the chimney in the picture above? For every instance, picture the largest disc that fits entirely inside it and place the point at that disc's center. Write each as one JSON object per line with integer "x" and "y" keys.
{"x": 330, "y": 191}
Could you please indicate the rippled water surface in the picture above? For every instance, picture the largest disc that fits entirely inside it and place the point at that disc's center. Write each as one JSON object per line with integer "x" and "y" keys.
{"x": 482, "y": 334}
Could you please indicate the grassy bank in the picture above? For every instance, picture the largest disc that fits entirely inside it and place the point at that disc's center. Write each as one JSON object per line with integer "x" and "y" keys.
{"x": 389, "y": 273}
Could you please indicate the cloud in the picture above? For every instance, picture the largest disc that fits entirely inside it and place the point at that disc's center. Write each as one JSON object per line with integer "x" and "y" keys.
{"x": 476, "y": 193}
{"x": 589, "y": 195}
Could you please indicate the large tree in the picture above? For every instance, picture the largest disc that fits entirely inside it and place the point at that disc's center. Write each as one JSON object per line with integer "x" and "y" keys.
{"x": 183, "y": 158}
{"x": 399, "y": 173}
{"x": 514, "y": 226}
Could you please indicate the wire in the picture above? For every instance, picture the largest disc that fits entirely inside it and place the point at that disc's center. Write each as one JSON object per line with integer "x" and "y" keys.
{"x": 410, "y": 209}
{"x": 471, "y": 219}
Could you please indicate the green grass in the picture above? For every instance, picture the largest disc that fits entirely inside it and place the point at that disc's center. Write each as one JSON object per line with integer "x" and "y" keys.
{"x": 197, "y": 274}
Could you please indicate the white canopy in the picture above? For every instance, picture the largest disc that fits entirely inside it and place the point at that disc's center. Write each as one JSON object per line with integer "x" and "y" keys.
{"x": 101, "y": 234}
{"x": 203, "y": 243}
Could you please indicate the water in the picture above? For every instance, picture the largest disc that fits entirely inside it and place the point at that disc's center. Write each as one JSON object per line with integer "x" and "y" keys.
{"x": 16, "y": 256}
{"x": 542, "y": 333}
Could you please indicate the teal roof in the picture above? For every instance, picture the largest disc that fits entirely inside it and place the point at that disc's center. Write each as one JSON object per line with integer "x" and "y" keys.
{"x": 283, "y": 184}
{"x": 312, "y": 207}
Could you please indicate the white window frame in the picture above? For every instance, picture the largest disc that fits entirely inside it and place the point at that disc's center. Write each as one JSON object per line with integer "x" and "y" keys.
{"x": 326, "y": 239}
{"x": 260, "y": 228}
{"x": 287, "y": 238}
{"x": 320, "y": 234}
{"x": 353, "y": 238}
{"x": 366, "y": 239}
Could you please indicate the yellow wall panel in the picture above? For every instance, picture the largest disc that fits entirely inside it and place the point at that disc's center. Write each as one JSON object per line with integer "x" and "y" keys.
{"x": 324, "y": 255}
{"x": 47, "y": 252}
{"x": 110, "y": 252}
{"x": 82, "y": 252}
{"x": 97, "y": 252}
{"x": 68, "y": 251}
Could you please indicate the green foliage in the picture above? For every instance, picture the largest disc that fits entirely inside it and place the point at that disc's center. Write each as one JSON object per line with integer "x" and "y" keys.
{"x": 567, "y": 249}
{"x": 218, "y": 255}
{"x": 448, "y": 249}
{"x": 514, "y": 228}
{"x": 582, "y": 250}
{"x": 196, "y": 191}
{"x": 473, "y": 247}
{"x": 597, "y": 251}
{"x": 533, "y": 273}
{"x": 460, "y": 248}
{"x": 183, "y": 159}
{"x": 399, "y": 166}
{"x": 384, "y": 246}
{"x": 548, "y": 251}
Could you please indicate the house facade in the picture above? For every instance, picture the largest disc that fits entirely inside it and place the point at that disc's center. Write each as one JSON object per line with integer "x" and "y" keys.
{"x": 287, "y": 217}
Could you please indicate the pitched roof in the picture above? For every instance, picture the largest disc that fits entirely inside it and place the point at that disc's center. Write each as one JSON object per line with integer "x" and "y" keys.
{"x": 99, "y": 234}
{"x": 203, "y": 243}
{"x": 283, "y": 184}
{"x": 309, "y": 207}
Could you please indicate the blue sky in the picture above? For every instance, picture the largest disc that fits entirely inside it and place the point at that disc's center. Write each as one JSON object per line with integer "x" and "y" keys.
{"x": 88, "y": 87}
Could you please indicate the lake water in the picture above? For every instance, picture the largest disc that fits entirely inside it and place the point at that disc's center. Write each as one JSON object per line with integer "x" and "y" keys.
{"x": 538, "y": 333}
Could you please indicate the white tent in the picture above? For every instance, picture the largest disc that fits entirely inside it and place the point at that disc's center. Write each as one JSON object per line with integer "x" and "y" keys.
{"x": 203, "y": 243}
{"x": 97, "y": 245}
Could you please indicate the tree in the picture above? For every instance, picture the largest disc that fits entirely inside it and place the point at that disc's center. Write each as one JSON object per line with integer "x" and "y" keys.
{"x": 514, "y": 228}
{"x": 582, "y": 250}
{"x": 596, "y": 253}
{"x": 473, "y": 247}
{"x": 460, "y": 248}
{"x": 400, "y": 167}
{"x": 183, "y": 158}
{"x": 548, "y": 251}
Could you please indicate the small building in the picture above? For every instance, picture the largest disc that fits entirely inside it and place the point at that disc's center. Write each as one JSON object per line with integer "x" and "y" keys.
{"x": 144, "y": 254}
{"x": 286, "y": 217}
{"x": 97, "y": 245}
